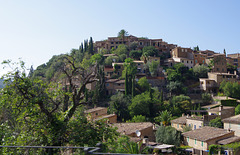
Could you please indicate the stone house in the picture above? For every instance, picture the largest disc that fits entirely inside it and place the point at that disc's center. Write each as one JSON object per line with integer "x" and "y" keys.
{"x": 200, "y": 139}
{"x": 114, "y": 42}
{"x": 194, "y": 122}
{"x": 114, "y": 85}
{"x": 232, "y": 123}
{"x": 212, "y": 83}
{"x": 219, "y": 63}
{"x": 99, "y": 113}
{"x": 146, "y": 129}
{"x": 179, "y": 123}
{"x": 236, "y": 59}
{"x": 199, "y": 58}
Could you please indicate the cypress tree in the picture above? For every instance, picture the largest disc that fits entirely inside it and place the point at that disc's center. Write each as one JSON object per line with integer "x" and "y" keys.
{"x": 30, "y": 74}
{"x": 130, "y": 85}
{"x": 126, "y": 84}
{"x": 133, "y": 87}
{"x": 161, "y": 97}
{"x": 85, "y": 45}
{"x": 90, "y": 47}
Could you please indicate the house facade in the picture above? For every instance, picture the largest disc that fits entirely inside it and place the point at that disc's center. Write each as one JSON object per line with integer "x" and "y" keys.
{"x": 200, "y": 139}
{"x": 232, "y": 123}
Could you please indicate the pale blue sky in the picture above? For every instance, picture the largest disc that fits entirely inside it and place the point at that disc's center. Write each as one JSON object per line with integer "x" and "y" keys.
{"x": 37, "y": 30}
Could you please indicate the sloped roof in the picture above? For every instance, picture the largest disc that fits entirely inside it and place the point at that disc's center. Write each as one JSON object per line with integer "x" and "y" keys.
{"x": 233, "y": 119}
{"x": 229, "y": 140}
{"x": 206, "y": 133}
{"x": 180, "y": 120}
{"x": 94, "y": 109}
{"x": 130, "y": 128}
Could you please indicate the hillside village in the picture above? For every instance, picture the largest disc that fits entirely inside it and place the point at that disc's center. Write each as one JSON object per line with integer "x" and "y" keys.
{"x": 150, "y": 89}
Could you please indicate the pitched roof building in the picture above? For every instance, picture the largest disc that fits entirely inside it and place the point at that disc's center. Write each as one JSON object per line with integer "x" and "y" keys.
{"x": 201, "y": 139}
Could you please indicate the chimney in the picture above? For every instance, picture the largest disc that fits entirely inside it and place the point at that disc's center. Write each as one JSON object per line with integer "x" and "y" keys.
{"x": 220, "y": 107}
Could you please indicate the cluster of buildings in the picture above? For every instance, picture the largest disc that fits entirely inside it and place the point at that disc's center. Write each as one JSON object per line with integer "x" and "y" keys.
{"x": 187, "y": 56}
{"x": 202, "y": 136}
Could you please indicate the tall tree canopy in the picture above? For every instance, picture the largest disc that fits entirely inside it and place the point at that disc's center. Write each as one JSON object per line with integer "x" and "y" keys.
{"x": 40, "y": 113}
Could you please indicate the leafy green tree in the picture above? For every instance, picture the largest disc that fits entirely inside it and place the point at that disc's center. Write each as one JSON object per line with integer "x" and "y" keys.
{"x": 144, "y": 104}
{"x": 200, "y": 71}
{"x": 37, "y": 107}
{"x": 138, "y": 118}
{"x": 168, "y": 135}
{"x": 176, "y": 88}
{"x": 119, "y": 105}
{"x": 153, "y": 67}
{"x": 150, "y": 51}
{"x": 144, "y": 84}
{"x": 97, "y": 58}
{"x": 133, "y": 46}
{"x": 237, "y": 110}
{"x": 230, "y": 89}
{"x": 124, "y": 145}
{"x": 109, "y": 60}
{"x": 183, "y": 103}
{"x": 122, "y": 49}
{"x": 206, "y": 98}
{"x": 217, "y": 122}
{"x": 135, "y": 54}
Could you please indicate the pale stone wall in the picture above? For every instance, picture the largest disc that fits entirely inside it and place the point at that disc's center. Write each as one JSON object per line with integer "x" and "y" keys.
{"x": 197, "y": 123}
{"x": 234, "y": 127}
{"x": 178, "y": 127}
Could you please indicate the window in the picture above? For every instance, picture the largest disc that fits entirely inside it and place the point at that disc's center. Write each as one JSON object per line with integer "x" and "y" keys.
{"x": 203, "y": 61}
{"x": 107, "y": 84}
{"x": 187, "y": 139}
{"x": 195, "y": 141}
{"x": 195, "y": 61}
{"x": 191, "y": 62}
{"x": 182, "y": 61}
{"x": 178, "y": 126}
{"x": 96, "y": 113}
{"x": 140, "y": 43}
{"x": 195, "y": 127}
{"x": 202, "y": 143}
{"x": 229, "y": 125}
{"x": 187, "y": 62}
{"x": 111, "y": 42}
